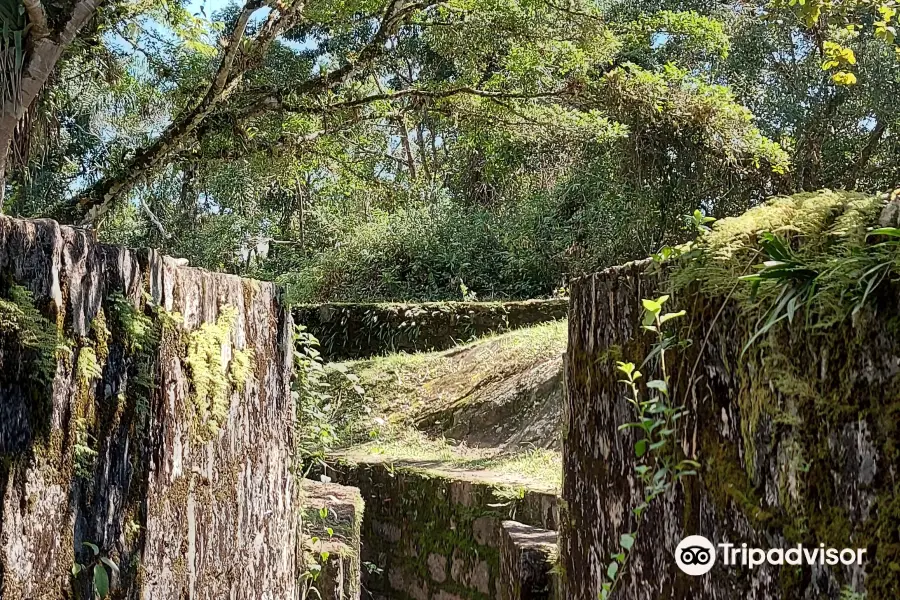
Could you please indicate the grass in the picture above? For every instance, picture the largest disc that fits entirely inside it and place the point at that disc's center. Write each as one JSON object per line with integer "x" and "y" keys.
{"x": 403, "y": 385}
{"x": 538, "y": 467}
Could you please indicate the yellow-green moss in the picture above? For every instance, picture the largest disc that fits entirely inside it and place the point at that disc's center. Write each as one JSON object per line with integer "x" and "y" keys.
{"x": 241, "y": 368}
{"x": 208, "y": 374}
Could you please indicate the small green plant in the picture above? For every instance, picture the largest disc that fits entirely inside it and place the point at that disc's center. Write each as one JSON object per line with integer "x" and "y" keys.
{"x": 847, "y": 593}
{"x": 700, "y": 222}
{"x": 84, "y": 455}
{"x": 467, "y": 294}
{"x": 98, "y": 569}
{"x": 660, "y": 465}
{"x": 316, "y": 559}
{"x": 88, "y": 367}
{"x": 329, "y": 399}
{"x": 824, "y": 289}
{"x": 138, "y": 329}
{"x": 34, "y": 333}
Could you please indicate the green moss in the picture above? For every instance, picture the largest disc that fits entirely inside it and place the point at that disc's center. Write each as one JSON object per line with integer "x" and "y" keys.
{"x": 728, "y": 482}
{"x": 209, "y": 376}
{"x": 241, "y": 368}
{"x": 31, "y": 331}
{"x": 883, "y": 532}
{"x": 541, "y": 468}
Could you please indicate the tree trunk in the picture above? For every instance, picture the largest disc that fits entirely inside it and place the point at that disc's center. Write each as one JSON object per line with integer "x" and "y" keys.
{"x": 407, "y": 148}
{"x": 45, "y": 50}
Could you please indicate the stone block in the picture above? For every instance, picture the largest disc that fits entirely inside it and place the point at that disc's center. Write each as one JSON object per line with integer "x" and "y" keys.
{"x": 527, "y": 557}
{"x": 333, "y": 515}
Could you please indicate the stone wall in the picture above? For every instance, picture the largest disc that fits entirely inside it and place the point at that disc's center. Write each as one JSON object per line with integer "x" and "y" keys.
{"x": 429, "y": 536}
{"x": 144, "y": 408}
{"x": 348, "y": 331}
{"x": 797, "y": 439}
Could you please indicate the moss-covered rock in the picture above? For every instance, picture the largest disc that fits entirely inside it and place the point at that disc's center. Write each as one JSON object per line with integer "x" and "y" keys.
{"x": 94, "y": 443}
{"x": 793, "y": 417}
{"x": 349, "y": 331}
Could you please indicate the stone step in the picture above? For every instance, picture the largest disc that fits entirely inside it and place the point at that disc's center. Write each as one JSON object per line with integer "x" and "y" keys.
{"x": 332, "y": 522}
{"x": 528, "y": 556}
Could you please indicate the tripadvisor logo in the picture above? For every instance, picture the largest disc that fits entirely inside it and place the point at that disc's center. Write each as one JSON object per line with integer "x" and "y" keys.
{"x": 696, "y": 555}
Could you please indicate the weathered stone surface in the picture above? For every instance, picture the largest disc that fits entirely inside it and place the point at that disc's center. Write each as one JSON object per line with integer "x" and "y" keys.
{"x": 333, "y": 514}
{"x": 437, "y": 567}
{"x": 431, "y": 533}
{"x": 527, "y": 556}
{"x": 797, "y": 440}
{"x": 114, "y": 449}
{"x": 359, "y": 330}
{"x": 337, "y": 574}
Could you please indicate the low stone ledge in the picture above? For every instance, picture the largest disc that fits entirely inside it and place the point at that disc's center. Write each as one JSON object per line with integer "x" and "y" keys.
{"x": 332, "y": 524}
{"x": 332, "y": 578}
{"x": 435, "y": 534}
{"x": 527, "y": 557}
{"x": 349, "y": 331}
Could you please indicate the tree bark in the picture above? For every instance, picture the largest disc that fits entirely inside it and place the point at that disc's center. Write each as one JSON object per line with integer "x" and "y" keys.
{"x": 44, "y": 51}
{"x": 407, "y": 147}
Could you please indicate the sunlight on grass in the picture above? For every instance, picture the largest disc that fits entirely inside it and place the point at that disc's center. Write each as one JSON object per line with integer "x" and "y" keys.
{"x": 540, "y": 466}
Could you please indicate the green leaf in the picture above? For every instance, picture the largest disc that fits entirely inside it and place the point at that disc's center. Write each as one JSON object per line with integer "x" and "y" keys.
{"x": 888, "y": 231}
{"x": 93, "y": 547}
{"x": 626, "y": 541}
{"x": 658, "y": 384}
{"x": 101, "y": 580}
{"x": 640, "y": 448}
{"x": 110, "y": 563}
{"x": 627, "y": 368}
{"x": 612, "y": 570}
{"x": 76, "y": 569}
{"x": 651, "y": 306}
{"x": 670, "y": 316}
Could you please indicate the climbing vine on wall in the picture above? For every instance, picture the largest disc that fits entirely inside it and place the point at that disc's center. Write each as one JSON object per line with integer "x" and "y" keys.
{"x": 660, "y": 463}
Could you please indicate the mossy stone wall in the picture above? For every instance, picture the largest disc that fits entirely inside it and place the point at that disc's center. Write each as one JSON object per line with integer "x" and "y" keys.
{"x": 349, "y": 331}
{"x": 428, "y": 536}
{"x": 797, "y": 438}
{"x": 113, "y": 446}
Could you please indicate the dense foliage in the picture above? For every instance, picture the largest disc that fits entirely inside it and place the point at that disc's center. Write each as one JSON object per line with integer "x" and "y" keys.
{"x": 371, "y": 149}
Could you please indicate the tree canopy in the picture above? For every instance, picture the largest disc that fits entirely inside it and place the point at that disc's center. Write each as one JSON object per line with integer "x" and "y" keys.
{"x": 403, "y": 149}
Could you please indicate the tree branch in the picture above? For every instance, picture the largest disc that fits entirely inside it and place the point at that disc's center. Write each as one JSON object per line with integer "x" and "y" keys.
{"x": 37, "y": 17}
{"x": 275, "y": 103}
{"x": 865, "y": 155}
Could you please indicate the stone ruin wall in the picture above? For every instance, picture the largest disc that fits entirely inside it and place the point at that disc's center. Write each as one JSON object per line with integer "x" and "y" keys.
{"x": 798, "y": 441}
{"x": 112, "y": 445}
